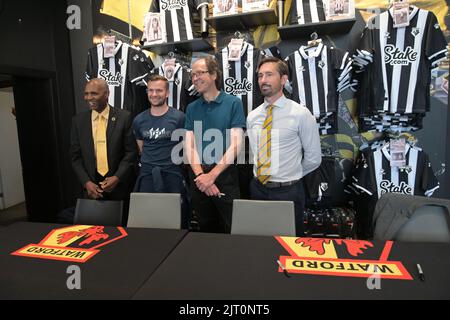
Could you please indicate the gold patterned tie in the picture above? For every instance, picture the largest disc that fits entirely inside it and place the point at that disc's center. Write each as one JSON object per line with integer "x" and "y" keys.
{"x": 264, "y": 150}
{"x": 102, "y": 157}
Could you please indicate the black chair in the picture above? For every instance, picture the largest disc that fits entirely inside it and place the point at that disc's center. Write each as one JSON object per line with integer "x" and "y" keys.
{"x": 428, "y": 224}
{"x": 416, "y": 219}
{"x": 98, "y": 212}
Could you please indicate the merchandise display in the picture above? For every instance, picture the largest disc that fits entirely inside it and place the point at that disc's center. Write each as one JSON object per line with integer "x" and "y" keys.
{"x": 123, "y": 71}
{"x": 239, "y": 75}
{"x": 363, "y": 95}
{"x": 306, "y": 11}
{"x": 318, "y": 73}
{"x": 395, "y": 69}
{"x": 178, "y": 17}
{"x": 179, "y": 84}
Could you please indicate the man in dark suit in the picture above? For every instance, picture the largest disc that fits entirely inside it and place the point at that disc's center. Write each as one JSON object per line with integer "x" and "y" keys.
{"x": 103, "y": 149}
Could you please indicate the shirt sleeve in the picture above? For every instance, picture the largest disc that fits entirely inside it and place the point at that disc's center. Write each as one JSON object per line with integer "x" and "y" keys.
{"x": 136, "y": 129}
{"x": 310, "y": 140}
{"x": 238, "y": 117}
{"x": 342, "y": 63}
{"x": 365, "y": 52}
{"x": 436, "y": 46}
{"x": 200, "y": 3}
{"x": 181, "y": 121}
{"x": 139, "y": 66}
{"x": 366, "y": 43}
{"x": 363, "y": 178}
{"x": 189, "y": 123}
{"x": 429, "y": 181}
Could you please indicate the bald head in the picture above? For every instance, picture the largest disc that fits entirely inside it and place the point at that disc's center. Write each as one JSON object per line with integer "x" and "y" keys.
{"x": 96, "y": 94}
{"x": 102, "y": 84}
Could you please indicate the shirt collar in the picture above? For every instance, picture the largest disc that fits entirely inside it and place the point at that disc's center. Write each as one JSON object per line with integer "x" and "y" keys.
{"x": 104, "y": 114}
{"x": 218, "y": 100}
{"x": 175, "y": 70}
{"x": 278, "y": 103}
{"x": 314, "y": 52}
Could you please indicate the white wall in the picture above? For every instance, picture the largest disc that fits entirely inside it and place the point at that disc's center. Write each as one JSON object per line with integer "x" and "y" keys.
{"x": 10, "y": 165}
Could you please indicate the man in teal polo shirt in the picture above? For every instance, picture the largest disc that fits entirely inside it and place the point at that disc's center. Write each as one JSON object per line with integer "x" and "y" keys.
{"x": 214, "y": 125}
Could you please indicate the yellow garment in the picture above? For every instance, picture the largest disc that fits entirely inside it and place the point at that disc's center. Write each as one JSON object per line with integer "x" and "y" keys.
{"x": 264, "y": 150}
{"x": 99, "y": 126}
{"x": 119, "y": 10}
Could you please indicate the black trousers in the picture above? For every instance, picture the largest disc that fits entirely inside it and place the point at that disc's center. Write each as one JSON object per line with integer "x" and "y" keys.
{"x": 120, "y": 193}
{"x": 245, "y": 172}
{"x": 295, "y": 193}
{"x": 214, "y": 213}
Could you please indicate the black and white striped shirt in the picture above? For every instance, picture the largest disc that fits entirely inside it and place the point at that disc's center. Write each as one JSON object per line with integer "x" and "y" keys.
{"x": 179, "y": 96}
{"x": 177, "y": 17}
{"x": 239, "y": 77}
{"x": 375, "y": 176}
{"x": 399, "y": 60}
{"x": 306, "y": 11}
{"x": 125, "y": 69}
{"x": 317, "y": 75}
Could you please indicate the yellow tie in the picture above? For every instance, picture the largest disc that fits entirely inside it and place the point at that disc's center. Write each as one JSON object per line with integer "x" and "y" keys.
{"x": 264, "y": 150}
{"x": 102, "y": 155}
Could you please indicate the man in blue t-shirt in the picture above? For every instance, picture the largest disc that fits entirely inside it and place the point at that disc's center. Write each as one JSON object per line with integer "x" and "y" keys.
{"x": 214, "y": 133}
{"x": 154, "y": 128}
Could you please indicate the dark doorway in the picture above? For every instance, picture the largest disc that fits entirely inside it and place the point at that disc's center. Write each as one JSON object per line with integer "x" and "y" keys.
{"x": 37, "y": 128}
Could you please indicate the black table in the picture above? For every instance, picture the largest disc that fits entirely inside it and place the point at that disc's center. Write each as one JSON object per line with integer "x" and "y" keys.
{"x": 116, "y": 272}
{"x": 217, "y": 266}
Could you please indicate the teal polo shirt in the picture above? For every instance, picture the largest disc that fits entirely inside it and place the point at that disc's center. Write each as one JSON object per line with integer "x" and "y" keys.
{"x": 211, "y": 123}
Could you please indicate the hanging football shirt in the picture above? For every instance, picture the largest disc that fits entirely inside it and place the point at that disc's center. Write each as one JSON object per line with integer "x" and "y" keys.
{"x": 125, "y": 69}
{"x": 178, "y": 17}
{"x": 306, "y": 11}
{"x": 239, "y": 77}
{"x": 400, "y": 61}
{"x": 179, "y": 83}
{"x": 317, "y": 75}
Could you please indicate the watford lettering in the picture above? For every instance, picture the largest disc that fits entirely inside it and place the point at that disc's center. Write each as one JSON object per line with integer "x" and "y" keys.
{"x": 395, "y": 56}
{"x": 57, "y": 252}
{"x": 344, "y": 266}
{"x": 77, "y": 243}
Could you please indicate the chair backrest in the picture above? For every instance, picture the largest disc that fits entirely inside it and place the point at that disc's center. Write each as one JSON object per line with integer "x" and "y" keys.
{"x": 98, "y": 212}
{"x": 254, "y": 217}
{"x": 428, "y": 224}
{"x": 155, "y": 210}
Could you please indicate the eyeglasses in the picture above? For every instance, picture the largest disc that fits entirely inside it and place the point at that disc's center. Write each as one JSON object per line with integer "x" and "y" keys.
{"x": 198, "y": 74}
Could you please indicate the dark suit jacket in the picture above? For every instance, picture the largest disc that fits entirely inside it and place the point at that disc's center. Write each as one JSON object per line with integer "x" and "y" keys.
{"x": 121, "y": 147}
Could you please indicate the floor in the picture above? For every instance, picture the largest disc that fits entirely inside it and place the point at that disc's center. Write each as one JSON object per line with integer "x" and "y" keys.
{"x": 13, "y": 214}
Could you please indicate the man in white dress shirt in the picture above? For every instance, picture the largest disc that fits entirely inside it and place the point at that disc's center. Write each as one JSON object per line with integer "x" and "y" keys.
{"x": 284, "y": 140}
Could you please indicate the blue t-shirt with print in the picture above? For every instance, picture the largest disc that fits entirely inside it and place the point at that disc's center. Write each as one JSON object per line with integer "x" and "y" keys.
{"x": 156, "y": 132}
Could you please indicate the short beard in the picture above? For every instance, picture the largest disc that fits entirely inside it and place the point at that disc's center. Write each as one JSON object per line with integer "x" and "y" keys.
{"x": 162, "y": 103}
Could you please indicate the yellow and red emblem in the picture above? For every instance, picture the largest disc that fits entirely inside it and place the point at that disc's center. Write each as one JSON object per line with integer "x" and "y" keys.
{"x": 336, "y": 257}
{"x": 75, "y": 243}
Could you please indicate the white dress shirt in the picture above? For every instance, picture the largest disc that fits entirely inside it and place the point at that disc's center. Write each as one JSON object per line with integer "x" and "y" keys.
{"x": 295, "y": 141}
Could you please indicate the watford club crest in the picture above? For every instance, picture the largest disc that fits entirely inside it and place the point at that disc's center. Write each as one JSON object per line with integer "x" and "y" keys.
{"x": 74, "y": 243}
{"x": 340, "y": 257}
